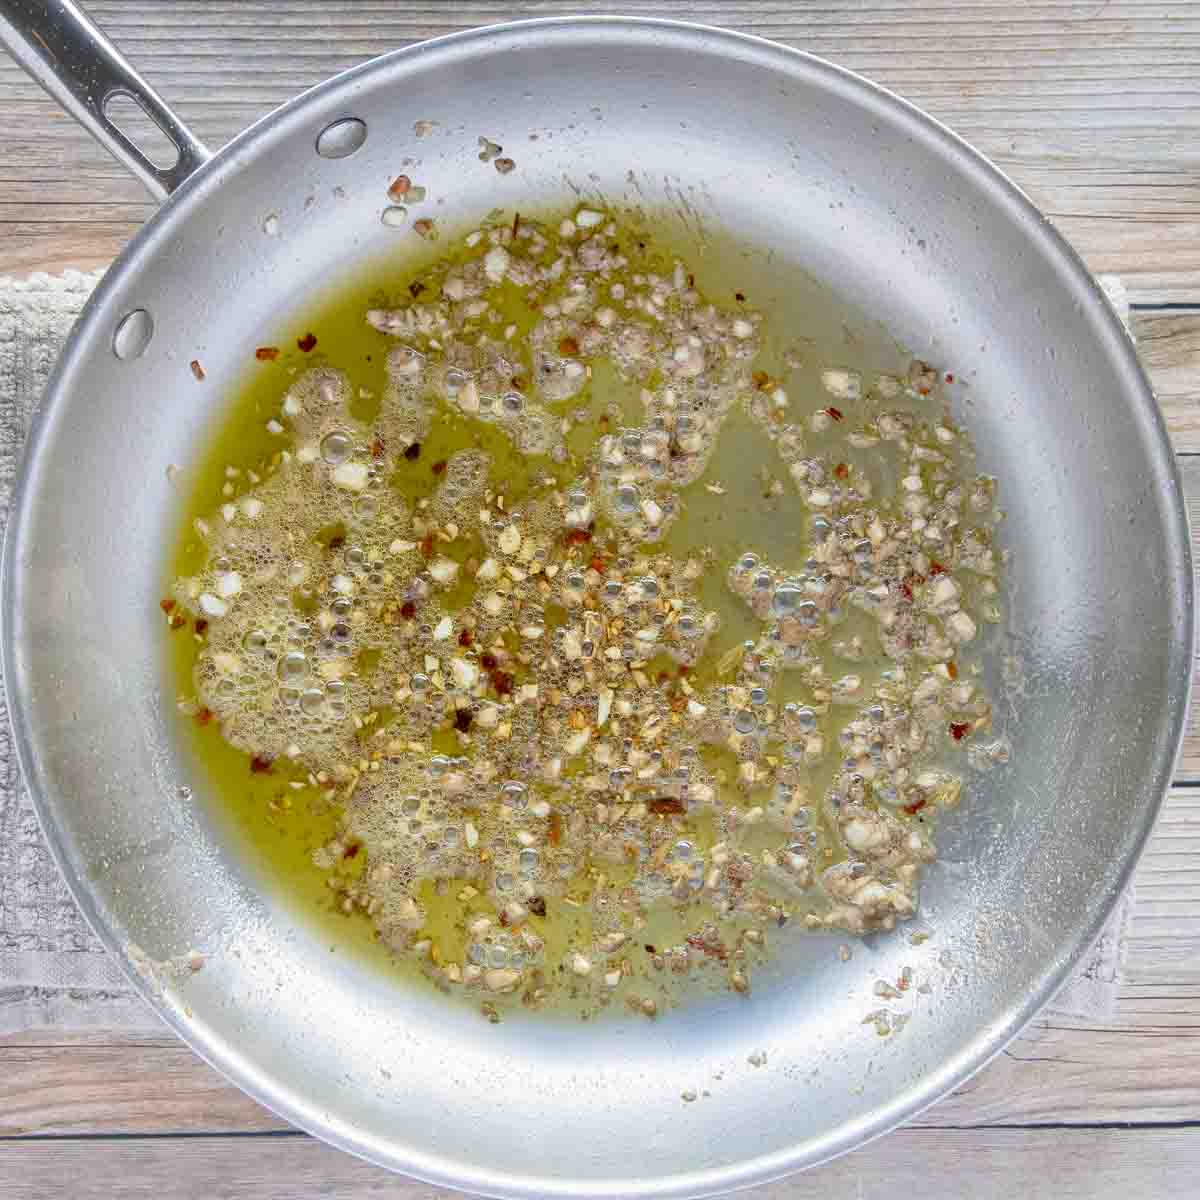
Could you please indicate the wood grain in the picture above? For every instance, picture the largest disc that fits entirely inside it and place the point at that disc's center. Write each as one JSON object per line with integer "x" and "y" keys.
{"x": 1093, "y": 1164}
{"x": 120, "y": 1089}
{"x": 1169, "y": 347}
{"x": 1092, "y": 107}
{"x": 1161, "y": 969}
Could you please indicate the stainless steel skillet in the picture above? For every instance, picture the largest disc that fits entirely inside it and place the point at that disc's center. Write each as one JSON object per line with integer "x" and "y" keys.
{"x": 840, "y": 180}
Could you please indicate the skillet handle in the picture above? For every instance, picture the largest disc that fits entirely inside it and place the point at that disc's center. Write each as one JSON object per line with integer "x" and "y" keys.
{"x": 57, "y": 43}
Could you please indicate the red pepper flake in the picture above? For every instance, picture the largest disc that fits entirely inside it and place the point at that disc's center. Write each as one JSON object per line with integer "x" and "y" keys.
{"x": 691, "y": 280}
{"x": 836, "y": 413}
{"x": 351, "y": 851}
{"x": 487, "y": 661}
{"x": 413, "y": 451}
{"x": 906, "y": 590}
{"x": 427, "y": 546}
{"x": 597, "y": 564}
{"x": 307, "y": 342}
{"x": 177, "y": 621}
{"x": 663, "y": 676}
{"x": 201, "y": 625}
{"x": 739, "y": 297}
{"x": 568, "y": 346}
{"x": 462, "y": 719}
{"x": 197, "y": 369}
{"x": 260, "y": 765}
{"x": 842, "y": 471}
{"x": 554, "y": 829}
{"x": 439, "y": 466}
{"x": 377, "y": 447}
{"x": 684, "y": 669}
{"x": 502, "y": 681}
{"x": 952, "y": 669}
{"x": 936, "y": 568}
{"x": 959, "y": 730}
{"x": 399, "y": 186}
{"x": 666, "y": 805}
{"x": 949, "y": 377}
{"x": 465, "y": 638}
{"x": 577, "y": 537}
{"x": 166, "y": 604}
{"x": 408, "y": 610}
{"x": 204, "y": 715}
{"x": 267, "y": 353}
{"x": 915, "y": 807}
{"x": 712, "y": 949}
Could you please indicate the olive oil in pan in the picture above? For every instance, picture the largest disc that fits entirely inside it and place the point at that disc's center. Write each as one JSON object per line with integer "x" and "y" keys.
{"x": 744, "y": 502}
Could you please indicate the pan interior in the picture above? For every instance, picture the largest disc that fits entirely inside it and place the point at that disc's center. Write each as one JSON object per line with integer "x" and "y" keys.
{"x": 832, "y": 182}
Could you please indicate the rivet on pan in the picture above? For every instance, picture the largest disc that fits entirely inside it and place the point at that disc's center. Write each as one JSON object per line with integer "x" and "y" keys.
{"x": 132, "y": 335}
{"x": 342, "y": 138}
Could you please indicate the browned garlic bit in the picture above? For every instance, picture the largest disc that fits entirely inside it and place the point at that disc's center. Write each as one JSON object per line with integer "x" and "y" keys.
{"x": 516, "y": 701}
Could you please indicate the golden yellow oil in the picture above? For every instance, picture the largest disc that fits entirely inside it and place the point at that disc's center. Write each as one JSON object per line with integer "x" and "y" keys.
{"x": 728, "y": 511}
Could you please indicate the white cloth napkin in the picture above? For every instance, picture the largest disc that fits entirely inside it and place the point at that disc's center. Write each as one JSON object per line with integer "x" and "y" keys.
{"x": 53, "y": 970}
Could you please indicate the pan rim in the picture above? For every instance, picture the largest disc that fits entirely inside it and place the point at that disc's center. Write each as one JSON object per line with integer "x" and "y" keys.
{"x": 1110, "y": 338}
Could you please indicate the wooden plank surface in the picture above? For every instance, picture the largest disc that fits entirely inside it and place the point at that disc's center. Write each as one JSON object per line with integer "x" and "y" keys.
{"x": 1169, "y": 347}
{"x": 1092, "y": 107}
{"x": 1077, "y": 1164}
